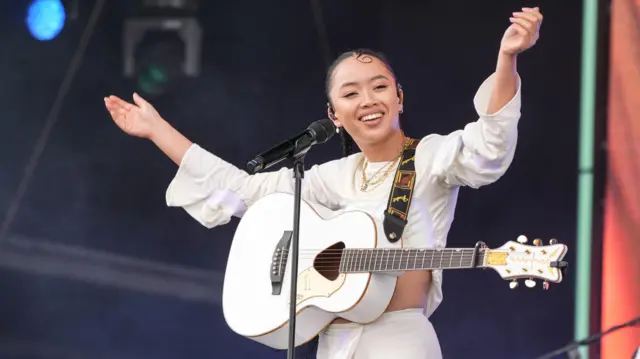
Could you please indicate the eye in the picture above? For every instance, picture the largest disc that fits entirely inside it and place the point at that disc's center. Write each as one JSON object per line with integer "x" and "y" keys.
{"x": 349, "y": 95}
{"x": 381, "y": 87}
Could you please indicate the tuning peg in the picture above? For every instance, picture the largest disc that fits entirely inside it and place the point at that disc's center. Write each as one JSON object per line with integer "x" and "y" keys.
{"x": 522, "y": 239}
{"x": 545, "y": 285}
{"x": 513, "y": 284}
{"x": 530, "y": 283}
{"x": 537, "y": 242}
{"x": 553, "y": 241}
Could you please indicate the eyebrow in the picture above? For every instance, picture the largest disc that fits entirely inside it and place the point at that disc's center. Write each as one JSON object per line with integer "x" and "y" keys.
{"x": 377, "y": 77}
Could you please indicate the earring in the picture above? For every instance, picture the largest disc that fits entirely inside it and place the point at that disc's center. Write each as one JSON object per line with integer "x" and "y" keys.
{"x": 337, "y": 129}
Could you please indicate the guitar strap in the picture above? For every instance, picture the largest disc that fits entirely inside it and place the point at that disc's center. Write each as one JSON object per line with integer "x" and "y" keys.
{"x": 395, "y": 216}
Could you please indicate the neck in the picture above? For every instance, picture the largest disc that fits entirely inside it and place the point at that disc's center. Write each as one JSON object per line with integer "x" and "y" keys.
{"x": 385, "y": 150}
{"x": 387, "y": 260}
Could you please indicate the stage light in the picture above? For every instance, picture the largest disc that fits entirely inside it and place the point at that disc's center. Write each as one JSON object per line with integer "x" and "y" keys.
{"x": 162, "y": 44}
{"x": 45, "y": 19}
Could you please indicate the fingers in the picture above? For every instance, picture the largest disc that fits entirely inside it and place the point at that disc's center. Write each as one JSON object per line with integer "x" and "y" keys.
{"x": 118, "y": 117}
{"x": 532, "y": 17}
{"x": 120, "y": 102}
{"x": 524, "y": 24}
{"x": 114, "y": 104}
{"x": 528, "y": 20}
{"x": 520, "y": 30}
{"x": 139, "y": 100}
{"x": 117, "y": 110}
{"x": 533, "y": 11}
{"x": 528, "y": 17}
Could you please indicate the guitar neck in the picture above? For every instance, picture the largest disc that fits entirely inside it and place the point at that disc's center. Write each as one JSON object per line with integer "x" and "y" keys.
{"x": 390, "y": 260}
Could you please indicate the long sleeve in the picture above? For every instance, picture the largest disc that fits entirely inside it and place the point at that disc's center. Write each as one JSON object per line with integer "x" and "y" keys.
{"x": 480, "y": 153}
{"x": 212, "y": 190}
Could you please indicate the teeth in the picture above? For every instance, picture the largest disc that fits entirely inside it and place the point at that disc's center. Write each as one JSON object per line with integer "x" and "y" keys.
{"x": 370, "y": 117}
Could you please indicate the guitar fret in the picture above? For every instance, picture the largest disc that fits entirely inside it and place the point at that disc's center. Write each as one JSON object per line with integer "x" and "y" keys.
{"x": 432, "y": 254}
{"x": 386, "y": 261}
{"x": 392, "y": 259}
{"x": 408, "y": 256}
{"x": 352, "y": 261}
{"x": 347, "y": 258}
{"x": 367, "y": 259}
{"x": 374, "y": 257}
{"x": 398, "y": 259}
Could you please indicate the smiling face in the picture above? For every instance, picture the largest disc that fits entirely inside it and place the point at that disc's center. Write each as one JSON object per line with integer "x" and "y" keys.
{"x": 365, "y": 99}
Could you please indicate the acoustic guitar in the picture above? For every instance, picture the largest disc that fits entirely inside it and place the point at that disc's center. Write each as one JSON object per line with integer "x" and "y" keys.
{"x": 341, "y": 270}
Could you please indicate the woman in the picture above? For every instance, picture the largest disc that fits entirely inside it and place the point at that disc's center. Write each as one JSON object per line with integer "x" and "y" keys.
{"x": 365, "y": 101}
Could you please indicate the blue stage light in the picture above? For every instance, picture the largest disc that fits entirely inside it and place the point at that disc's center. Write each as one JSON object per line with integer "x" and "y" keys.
{"x": 45, "y": 19}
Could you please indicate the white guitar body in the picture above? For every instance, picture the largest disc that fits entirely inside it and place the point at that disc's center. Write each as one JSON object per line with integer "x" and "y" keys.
{"x": 250, "y": 308}
{"x": 342, "y": 272}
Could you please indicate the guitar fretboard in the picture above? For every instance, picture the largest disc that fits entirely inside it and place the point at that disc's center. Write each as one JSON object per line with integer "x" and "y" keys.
{"x": 387, "y": 260}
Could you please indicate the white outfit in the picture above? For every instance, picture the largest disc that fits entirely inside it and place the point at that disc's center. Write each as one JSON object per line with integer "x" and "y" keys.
{"x": 400, "y": 334}
{"x": 212, "y": 190}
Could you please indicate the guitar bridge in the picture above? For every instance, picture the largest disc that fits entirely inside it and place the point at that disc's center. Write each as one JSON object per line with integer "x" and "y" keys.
{"x": 279, "y": 262}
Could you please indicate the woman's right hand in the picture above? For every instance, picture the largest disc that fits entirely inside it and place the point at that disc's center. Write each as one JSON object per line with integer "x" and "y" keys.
{"x": 137, "y": 119}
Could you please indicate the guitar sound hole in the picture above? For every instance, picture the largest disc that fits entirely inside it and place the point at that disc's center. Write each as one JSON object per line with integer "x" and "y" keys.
{"x": 327, "y": 262}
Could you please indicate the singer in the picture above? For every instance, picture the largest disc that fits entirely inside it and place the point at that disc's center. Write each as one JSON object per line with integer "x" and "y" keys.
{"x": 364, "y": 102}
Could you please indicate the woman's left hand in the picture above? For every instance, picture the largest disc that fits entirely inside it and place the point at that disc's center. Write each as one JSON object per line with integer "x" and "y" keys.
{"x": 523, "y": 32}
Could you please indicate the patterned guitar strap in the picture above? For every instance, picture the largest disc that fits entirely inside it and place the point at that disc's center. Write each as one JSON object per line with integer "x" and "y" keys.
{"x": 395, "y": 216}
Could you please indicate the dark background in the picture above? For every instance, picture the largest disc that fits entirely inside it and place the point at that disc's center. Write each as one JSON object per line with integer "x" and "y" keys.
{"x": 94, "y": 265}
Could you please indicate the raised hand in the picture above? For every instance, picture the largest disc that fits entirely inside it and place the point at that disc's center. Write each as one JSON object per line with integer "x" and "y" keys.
{"x": 136, "y": 119}
{"x": 523, "y": 32}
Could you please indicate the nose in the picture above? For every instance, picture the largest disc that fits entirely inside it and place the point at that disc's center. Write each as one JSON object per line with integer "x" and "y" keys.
{"x": 368, "y": 99}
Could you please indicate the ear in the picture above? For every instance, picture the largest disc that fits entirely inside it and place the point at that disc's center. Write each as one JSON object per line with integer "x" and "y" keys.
{"x": 400, "y": 98}
{"x": 333, "y": 118}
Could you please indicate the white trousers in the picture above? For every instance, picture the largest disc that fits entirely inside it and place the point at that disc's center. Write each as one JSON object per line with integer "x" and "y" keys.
{"x": 406, "y": 334}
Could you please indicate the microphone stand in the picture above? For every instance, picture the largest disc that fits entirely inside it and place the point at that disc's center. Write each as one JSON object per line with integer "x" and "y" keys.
{"x": 570, "y": 349}
{"x": 318, "y": 132}
{"x": 298, "y": 175}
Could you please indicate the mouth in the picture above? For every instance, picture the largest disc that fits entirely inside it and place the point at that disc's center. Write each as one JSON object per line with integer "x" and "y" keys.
{"x": 371, "y": 118}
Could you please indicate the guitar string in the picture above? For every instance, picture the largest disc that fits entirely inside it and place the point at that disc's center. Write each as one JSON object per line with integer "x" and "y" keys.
{"x": 389, "y": 255}
{"x": 388, "y": 258}
{"x": 413, "y": 252}
{"x": 387, "y": 250}
{"x": 326, "y": 263}
{"x": 362, "y": 257}
{"x": 332, "y": 263}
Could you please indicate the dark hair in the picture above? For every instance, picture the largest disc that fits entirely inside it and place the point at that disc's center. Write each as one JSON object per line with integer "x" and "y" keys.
{"x": 363, "y": 55}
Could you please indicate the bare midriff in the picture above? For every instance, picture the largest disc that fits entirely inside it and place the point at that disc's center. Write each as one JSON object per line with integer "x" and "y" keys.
{"x": 411, "y": 292}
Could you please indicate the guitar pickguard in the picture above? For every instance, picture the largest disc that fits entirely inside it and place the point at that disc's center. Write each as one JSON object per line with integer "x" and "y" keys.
{"x": 312, "y": 284}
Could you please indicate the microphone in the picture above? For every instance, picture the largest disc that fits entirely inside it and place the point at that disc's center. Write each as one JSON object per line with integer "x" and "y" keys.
{"x": 318, "y": 132}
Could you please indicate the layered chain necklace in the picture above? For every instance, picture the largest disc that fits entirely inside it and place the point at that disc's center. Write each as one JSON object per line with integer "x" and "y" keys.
{"x": 371, "y": 183}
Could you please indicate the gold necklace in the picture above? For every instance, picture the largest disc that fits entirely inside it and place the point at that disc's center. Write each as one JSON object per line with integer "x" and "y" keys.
{"x": 371, "y": 184}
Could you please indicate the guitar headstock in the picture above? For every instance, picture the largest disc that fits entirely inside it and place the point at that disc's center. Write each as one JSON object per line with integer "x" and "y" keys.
{"x": 515, "y": 260}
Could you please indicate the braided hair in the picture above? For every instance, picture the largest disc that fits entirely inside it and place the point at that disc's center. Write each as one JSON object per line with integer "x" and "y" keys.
{"x": 363, "y": 55}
